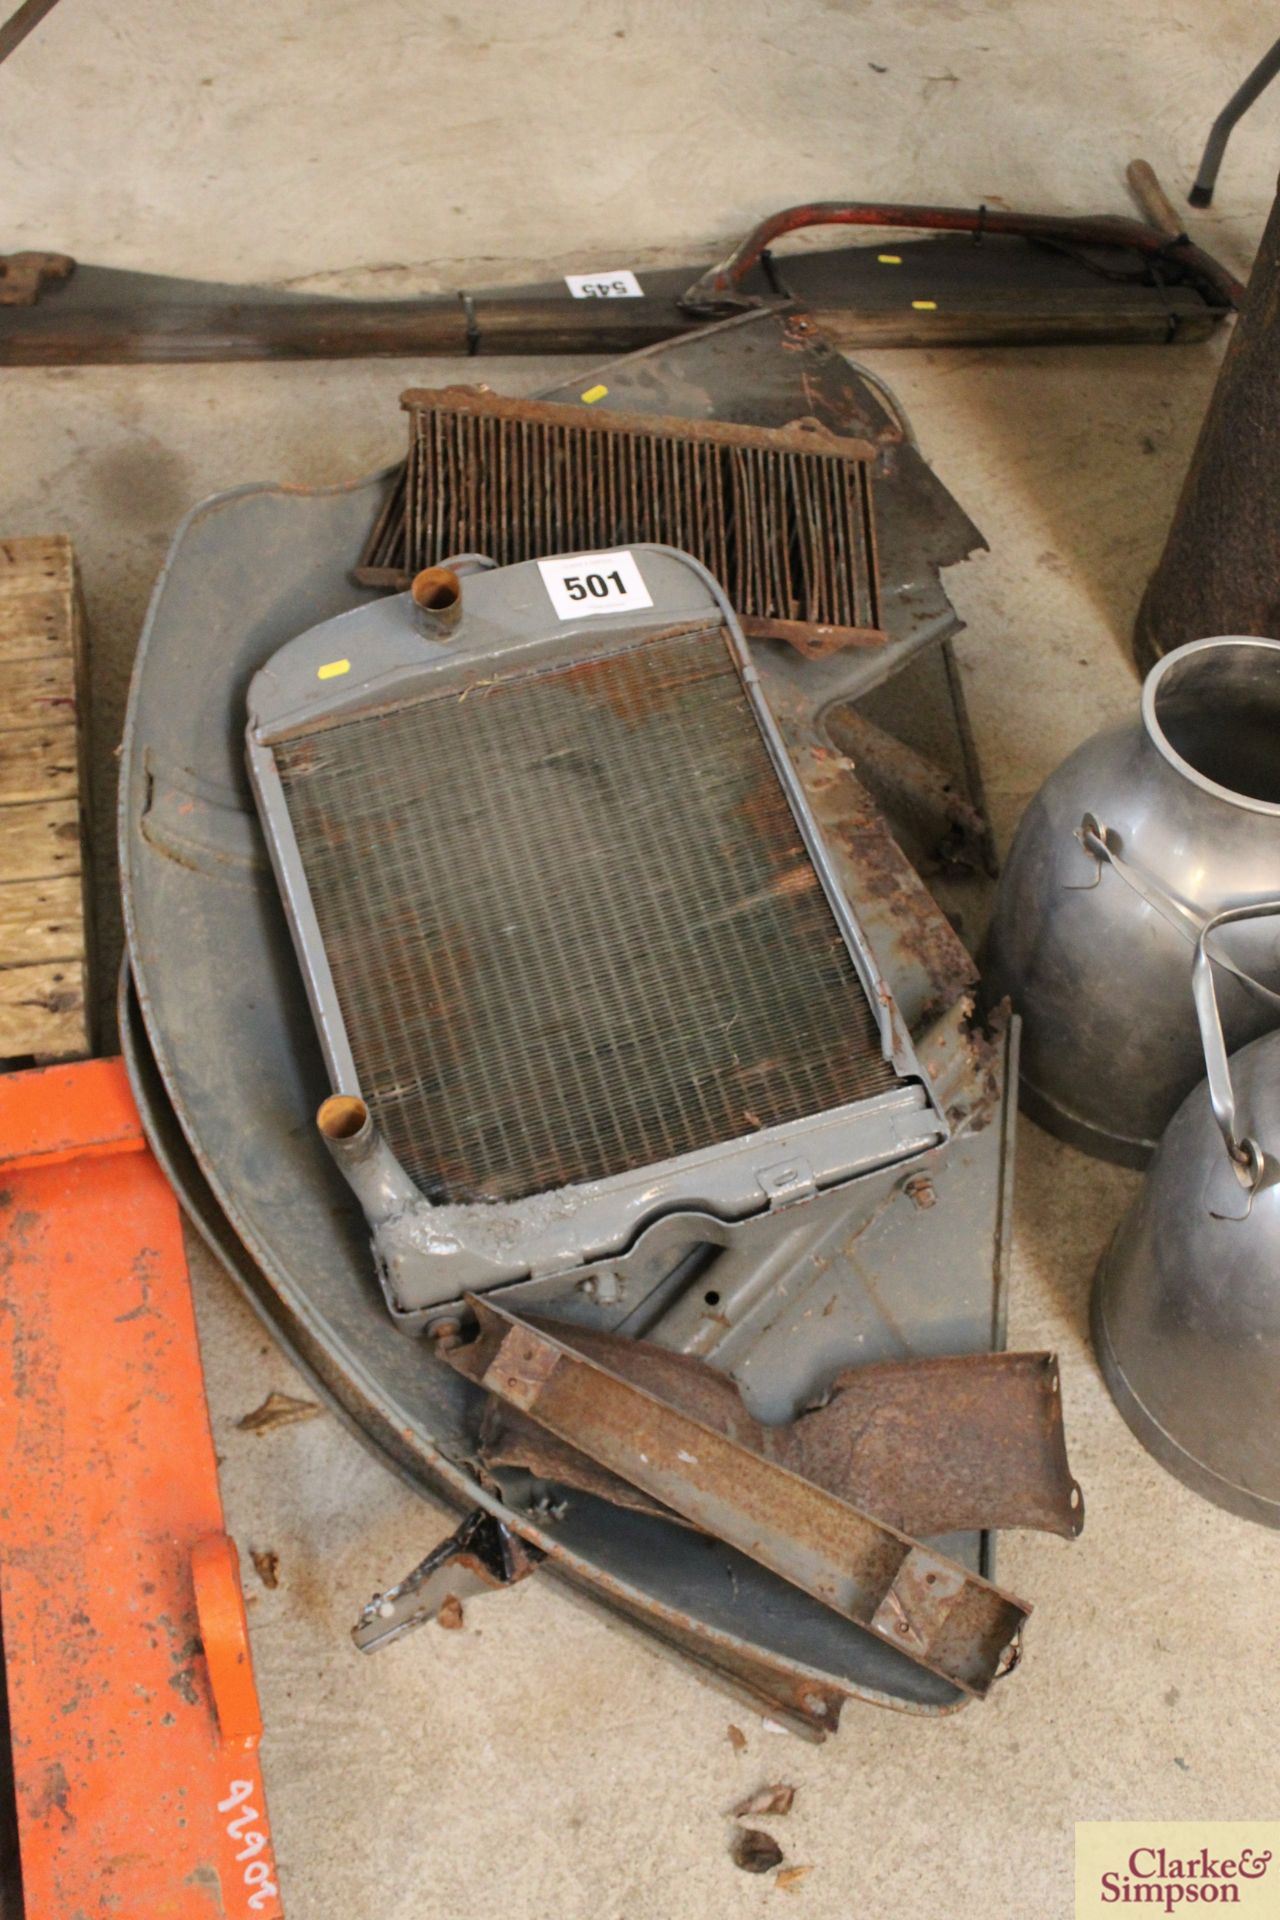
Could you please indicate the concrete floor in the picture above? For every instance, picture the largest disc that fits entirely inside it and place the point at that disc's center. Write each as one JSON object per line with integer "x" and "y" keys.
{"x": 541, "y": 1761}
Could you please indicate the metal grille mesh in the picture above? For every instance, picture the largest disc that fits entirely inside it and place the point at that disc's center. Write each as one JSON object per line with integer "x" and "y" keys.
{"x": 572, "y": 924}
{"x": 788, "y": 532}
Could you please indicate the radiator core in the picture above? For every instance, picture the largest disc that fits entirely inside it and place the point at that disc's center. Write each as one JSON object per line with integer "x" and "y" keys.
{"x": 572, "y": 923}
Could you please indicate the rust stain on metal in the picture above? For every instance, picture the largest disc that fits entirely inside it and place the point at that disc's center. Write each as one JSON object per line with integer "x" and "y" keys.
{"x": 906, "y": 927}
{"x": 917, "y": 1605}
{"x": 521, "y": 1368}
{"x": 920, "y": 1190}
{"x": 458, "y": 1012}
{"x": 896, "y": 776}
{"x": 801, "y": 436}
{"x": 24, "y": 276}
{"x": 811, "y": 638}
{"x": 764, "y": 807}
{"x": 626, "y": 684}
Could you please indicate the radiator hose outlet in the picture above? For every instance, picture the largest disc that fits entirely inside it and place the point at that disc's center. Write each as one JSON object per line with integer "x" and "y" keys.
{"x": 375, "y": 1176}
{"x": 436, "y": 593}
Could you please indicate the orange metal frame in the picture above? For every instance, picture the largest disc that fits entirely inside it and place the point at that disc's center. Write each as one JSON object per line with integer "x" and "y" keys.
{"x": 135, "y": 1720}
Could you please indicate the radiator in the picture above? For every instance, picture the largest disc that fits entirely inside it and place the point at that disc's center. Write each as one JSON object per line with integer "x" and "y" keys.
{"x": 782, "y": 517}
{"x": 556, "y": 897}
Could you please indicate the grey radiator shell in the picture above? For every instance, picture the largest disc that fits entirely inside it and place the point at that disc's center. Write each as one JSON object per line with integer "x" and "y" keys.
{"x": 429, "y": 1254}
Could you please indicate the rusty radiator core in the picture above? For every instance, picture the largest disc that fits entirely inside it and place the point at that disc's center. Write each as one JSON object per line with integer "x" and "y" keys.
{"x": 572, "y": 923}
{"x": 782, "y": 517}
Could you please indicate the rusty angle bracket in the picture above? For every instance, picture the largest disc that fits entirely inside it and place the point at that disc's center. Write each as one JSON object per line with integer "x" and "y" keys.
{"x": 930, "y": 1608}
{"x": 948, "y": 1444}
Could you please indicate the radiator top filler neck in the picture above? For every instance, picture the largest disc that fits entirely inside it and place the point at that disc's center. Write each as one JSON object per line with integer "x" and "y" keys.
{"x": 575, "y": 950}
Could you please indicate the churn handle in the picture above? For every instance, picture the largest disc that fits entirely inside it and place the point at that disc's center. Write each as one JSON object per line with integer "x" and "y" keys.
{"x": 1254, "y": 1168}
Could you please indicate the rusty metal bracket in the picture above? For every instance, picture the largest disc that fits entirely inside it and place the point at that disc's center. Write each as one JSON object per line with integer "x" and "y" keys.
{"x": 24, "y": 276}
{"x": 482, "y": 1556}
{"x": 946, "y": 1619}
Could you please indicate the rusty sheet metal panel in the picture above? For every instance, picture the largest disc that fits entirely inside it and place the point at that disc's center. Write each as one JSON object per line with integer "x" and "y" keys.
{"x": 781, "y": 516}
{"x": 915, "y": 944}
{"x": 131, "y": 1697}
{"x": 929, "y": 1446}
{"x": 952, "y": 1622}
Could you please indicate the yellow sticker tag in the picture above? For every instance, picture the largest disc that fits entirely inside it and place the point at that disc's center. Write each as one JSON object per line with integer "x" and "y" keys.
{"x": 333, "y": 669}
{"x": 593, "y": 394}
{"x": 925, "y": 306}
{"x": 889, "y": 259}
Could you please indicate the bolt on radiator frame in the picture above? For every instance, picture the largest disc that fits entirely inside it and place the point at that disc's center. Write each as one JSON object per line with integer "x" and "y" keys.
{"x": 428, "y": 1255}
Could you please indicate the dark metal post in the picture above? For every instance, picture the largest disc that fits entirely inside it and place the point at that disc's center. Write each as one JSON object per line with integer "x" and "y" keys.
{"x": 1220, "y": 132}
{"x": 1220, "y": 570}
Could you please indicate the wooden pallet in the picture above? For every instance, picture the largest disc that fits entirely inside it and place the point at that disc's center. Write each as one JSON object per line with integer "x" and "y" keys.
{"x": 45, "y": 1011}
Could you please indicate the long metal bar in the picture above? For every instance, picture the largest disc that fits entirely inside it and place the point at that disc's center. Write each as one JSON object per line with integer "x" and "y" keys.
{"x": 939, "y": 291}
{"x": 804, "y": 437}
{"x": 22, "y": 21}
{"x": 930, "y": 1608}
{"x": 931, "y": 1445}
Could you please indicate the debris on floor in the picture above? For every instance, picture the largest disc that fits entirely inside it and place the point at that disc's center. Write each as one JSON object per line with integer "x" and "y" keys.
{"x": 266, "y": 1564}
{"x": 775, "y": 1799}
{"x": 278, "y": 1410}
{"x": 789, "y": 1878}
{"x": 755, "y": 1851}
